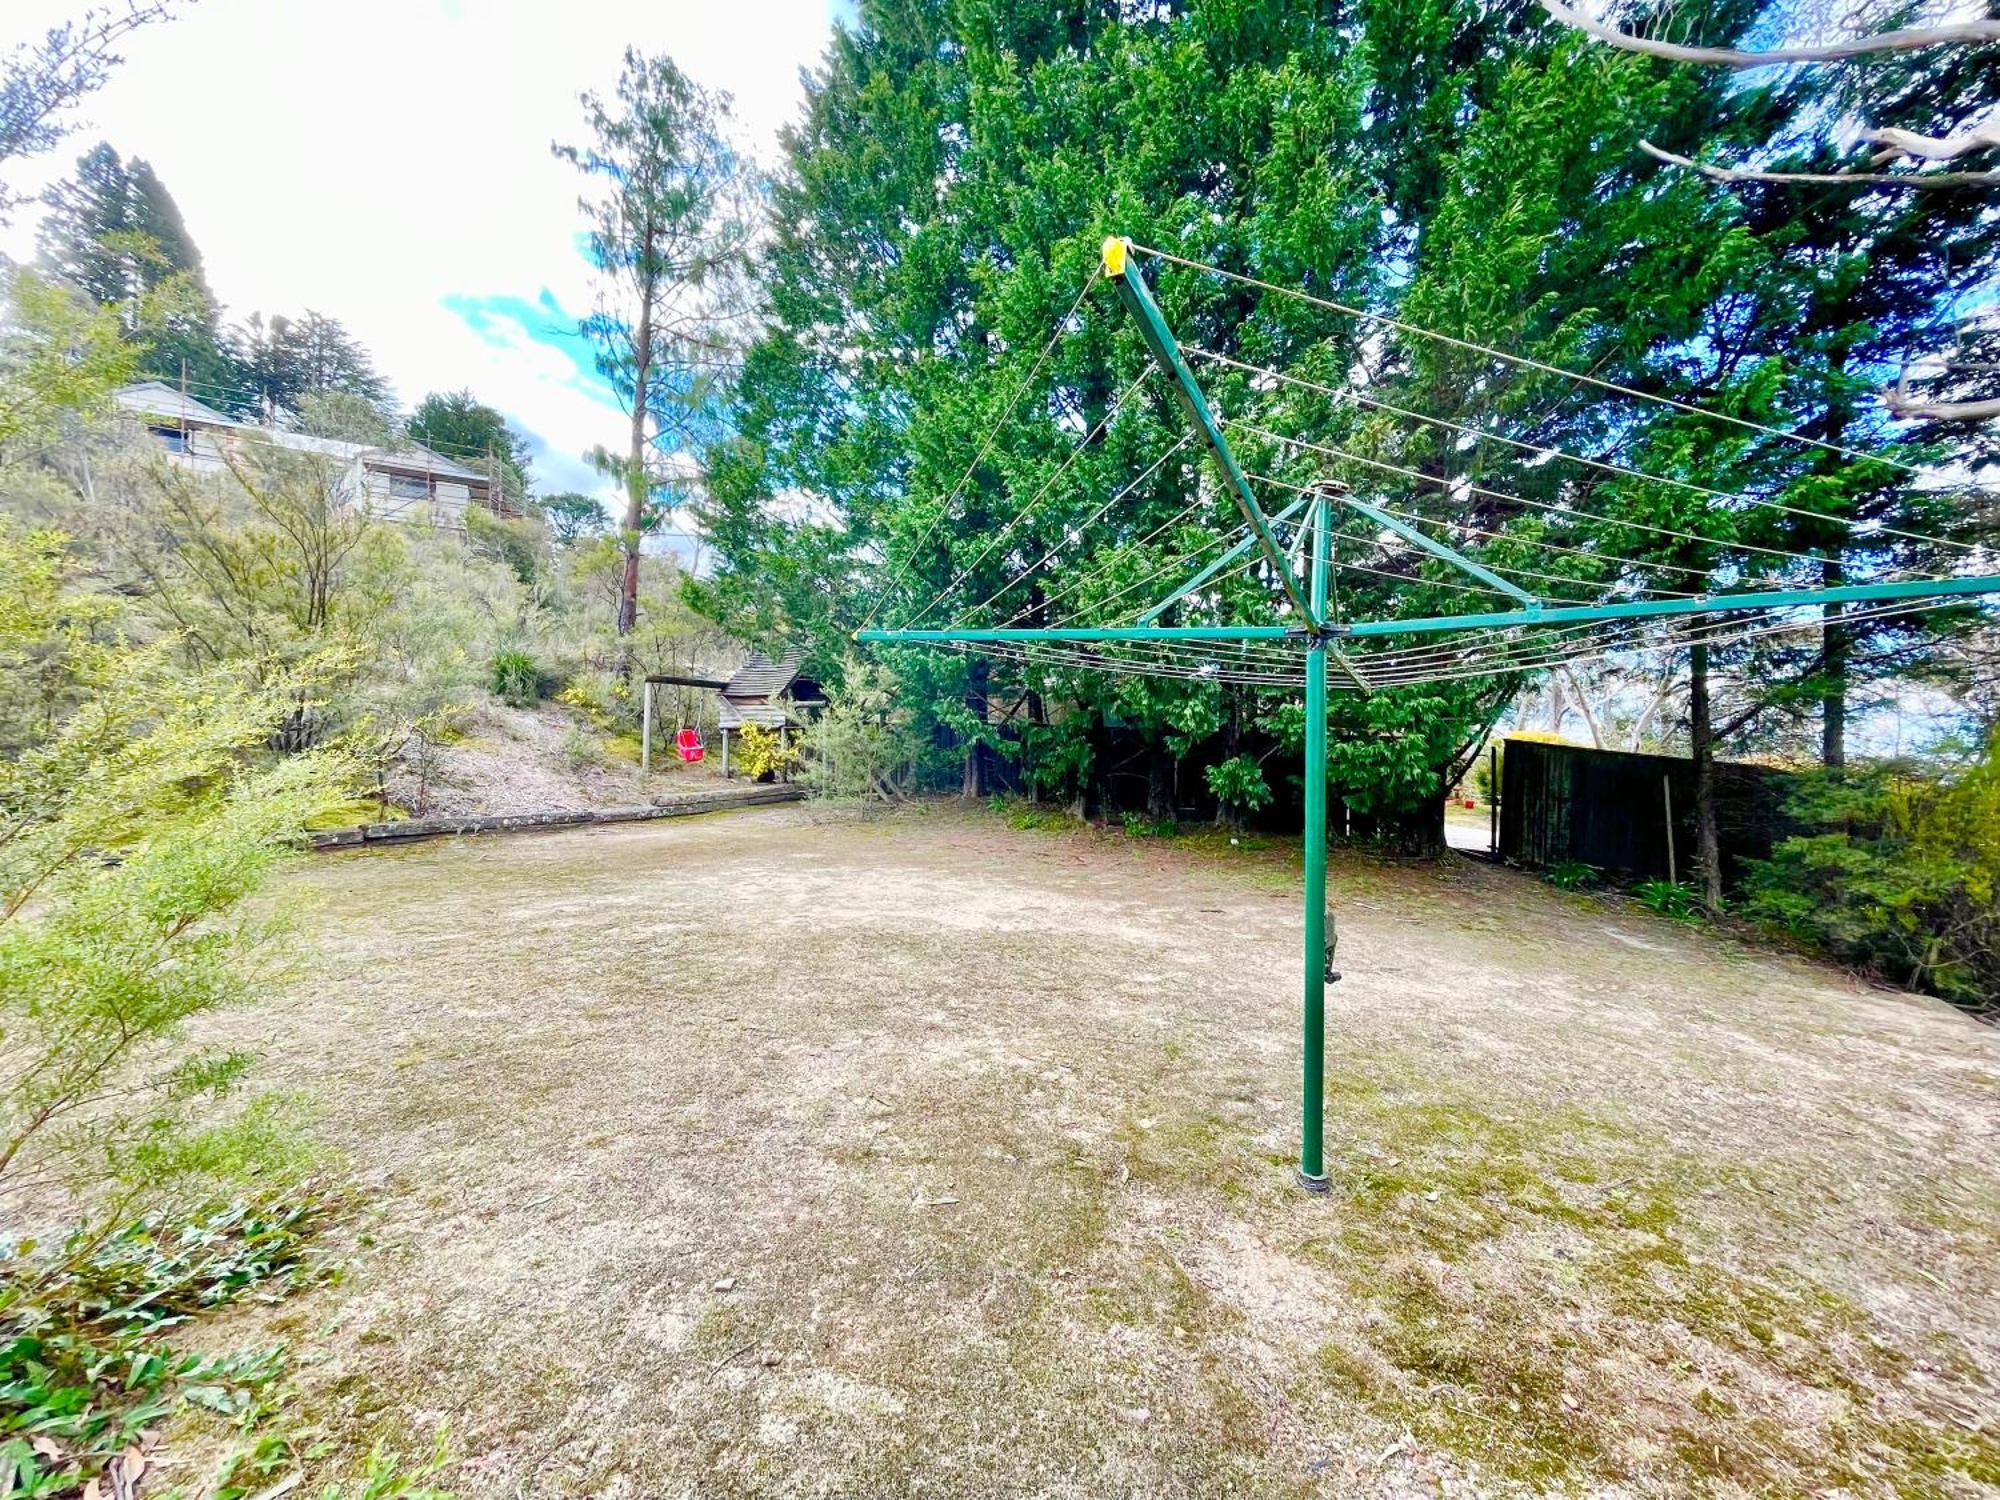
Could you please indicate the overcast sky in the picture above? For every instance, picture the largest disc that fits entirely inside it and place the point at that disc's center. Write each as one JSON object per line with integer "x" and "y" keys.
{"x": 387, "y": 162}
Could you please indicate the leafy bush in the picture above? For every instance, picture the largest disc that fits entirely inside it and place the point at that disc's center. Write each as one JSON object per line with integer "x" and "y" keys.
{"x": 604, "y": 697}
{"x": 761, "y": 756}
{"x": 1573, "y": 874}
{"x": 866, "y": 744}
{"x": 1670, "y": 898}
{"x": 131, "y": 836}
{"x": 86, "y": 1364}
{"x": 521, "y": 545}
{"x": 581, "y": 750}
{"x": 517, "y": 679}
{"x": 1898, "y": 874}
{"x": 1238, "y": 786}
{"x": 1139, "y": 826}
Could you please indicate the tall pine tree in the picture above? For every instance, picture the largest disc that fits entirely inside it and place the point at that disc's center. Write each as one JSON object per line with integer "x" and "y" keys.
{"x": 1473, "y": 170}
{"x": 114, "y": 230}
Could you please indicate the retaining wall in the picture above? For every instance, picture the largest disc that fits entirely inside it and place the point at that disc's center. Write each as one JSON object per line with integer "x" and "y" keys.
{"x": 412, "y": 829}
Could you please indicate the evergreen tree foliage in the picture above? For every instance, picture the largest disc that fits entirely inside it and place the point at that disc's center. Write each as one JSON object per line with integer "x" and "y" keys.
{"x": 573, "y": 517}
{"x": 468, "y": 431}
{"x": 114, "y": 231}
{"x": 286, "y": 359}
{"x": 1472, "y": 170}
{"x": 668, "y": 234}
{"x": 43, "y": 81}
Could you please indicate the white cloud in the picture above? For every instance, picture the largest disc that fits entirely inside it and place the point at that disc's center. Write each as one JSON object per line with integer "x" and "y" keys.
{"x": 372, "y": 158}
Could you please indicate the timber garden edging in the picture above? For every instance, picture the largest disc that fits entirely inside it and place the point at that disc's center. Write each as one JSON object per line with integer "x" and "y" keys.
{"x": 412, "y": 829}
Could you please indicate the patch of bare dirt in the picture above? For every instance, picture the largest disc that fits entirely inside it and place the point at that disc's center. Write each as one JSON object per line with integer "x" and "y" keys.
{"x": 781, "y": 1154}
{"x": 542, "y": 759}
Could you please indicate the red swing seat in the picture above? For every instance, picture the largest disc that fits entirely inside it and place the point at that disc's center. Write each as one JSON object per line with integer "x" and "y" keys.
{"x": 687, "y": 744}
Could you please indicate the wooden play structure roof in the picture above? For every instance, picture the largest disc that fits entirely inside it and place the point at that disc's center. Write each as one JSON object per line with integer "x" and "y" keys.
{"x": 762, "y": 692}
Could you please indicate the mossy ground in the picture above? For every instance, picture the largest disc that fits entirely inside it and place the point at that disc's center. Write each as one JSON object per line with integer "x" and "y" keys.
{"x": 782, "y": 1153}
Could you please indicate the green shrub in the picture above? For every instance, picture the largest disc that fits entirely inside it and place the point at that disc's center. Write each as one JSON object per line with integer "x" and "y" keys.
{"x": 1897, "y": 872}
{"x": 581, "y": 750}
{"x": 1238, "y": 786}
{"x": 522, "y": 545}
{"x": 517, "y": 679}
{"x": 866, "y": 745}
{"x": 1139, "y": 826}
{"x": 85, "y": 1357}
{"x": 137, "y": 830}
{"x": 1670, "y": 898}
{"x": 1573, "y": 874}
{"x": 604, "y": 697}
{"x": 762, "y": 756}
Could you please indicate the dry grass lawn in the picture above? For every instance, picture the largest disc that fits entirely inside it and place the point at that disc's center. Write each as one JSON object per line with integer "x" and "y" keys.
{"x": 794, "y": 1154}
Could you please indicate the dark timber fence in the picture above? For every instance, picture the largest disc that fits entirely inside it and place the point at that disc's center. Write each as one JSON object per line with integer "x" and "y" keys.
{"x": 1610, "y": 809}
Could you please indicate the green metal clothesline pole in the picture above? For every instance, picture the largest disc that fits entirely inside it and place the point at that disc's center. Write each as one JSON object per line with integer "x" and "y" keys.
{"x": 1122, "y": 273}
{"x": 1312, "y": 1070}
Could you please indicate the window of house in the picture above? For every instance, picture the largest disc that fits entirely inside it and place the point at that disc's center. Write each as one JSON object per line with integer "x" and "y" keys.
{"x": 170, "y": 438}
{"x": 409, "y": 487}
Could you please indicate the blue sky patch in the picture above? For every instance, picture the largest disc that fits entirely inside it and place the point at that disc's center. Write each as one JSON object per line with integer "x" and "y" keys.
{"x": 503, "y": 321}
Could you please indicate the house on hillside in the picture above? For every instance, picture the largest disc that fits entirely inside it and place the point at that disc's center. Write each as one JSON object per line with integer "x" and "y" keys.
{"x": 407, "y": 483}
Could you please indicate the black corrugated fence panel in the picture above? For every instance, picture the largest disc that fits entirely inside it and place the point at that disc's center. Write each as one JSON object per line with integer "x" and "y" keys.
{"x": 1609, "y": 808}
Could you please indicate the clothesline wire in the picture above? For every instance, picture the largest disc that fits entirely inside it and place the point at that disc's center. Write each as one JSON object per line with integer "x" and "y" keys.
{"x": 1597, "y": 557}
{"x": 1076, "y": 451}
{"x": 1525, "y": 361}
{"x": 1095, "y": 516}
{"x": 1507, "y": 569}
{"x": 944, "y": 509}
{"x": 1501, "y": 495}
{"x": 1543, "y": 449}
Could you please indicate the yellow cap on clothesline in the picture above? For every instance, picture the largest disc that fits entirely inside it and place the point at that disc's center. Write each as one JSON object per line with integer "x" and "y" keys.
{"x": 1115, "y": 247}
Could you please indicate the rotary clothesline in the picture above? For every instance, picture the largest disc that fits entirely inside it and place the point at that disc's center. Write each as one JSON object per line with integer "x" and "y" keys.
{"x": 1513, "y": 641}
{"x": 1219, "y": 662}
{"x": 1457, "y": 487}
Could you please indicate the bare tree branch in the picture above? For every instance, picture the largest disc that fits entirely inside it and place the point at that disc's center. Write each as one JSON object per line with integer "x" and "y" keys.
{"x": 1901, "y": 404}
{"x": 1907, "y": 39}
{"x": 1834, "y": 179}
{"x": 1897, "y": 144}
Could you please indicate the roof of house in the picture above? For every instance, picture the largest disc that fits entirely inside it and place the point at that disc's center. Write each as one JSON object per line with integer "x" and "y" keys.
{"x": 155, "y": 398}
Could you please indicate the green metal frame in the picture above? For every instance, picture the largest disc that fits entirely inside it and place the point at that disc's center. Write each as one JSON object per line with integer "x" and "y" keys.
{"x": 1316, "y": 634}
{"x": 1220, "y": 563}
{"x": 1166, "y": 351}
{"x": 1438, "y": 549}
{"x": 1312, "y": 1009}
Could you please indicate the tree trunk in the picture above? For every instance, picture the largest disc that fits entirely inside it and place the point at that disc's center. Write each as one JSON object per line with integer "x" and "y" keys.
{"x": 635, "y": 459}
{"x": 1038, "y": 716}
{"x": 1160, "y": 784}
{"x": 1701, "y": 743}
{"x": 978, "y": 671}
